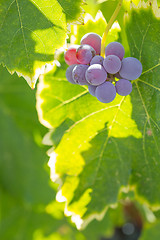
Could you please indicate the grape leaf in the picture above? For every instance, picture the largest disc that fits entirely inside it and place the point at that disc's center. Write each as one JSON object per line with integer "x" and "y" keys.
{"x": 72, "y": 9}
{"x": 30, "y": 31}
{"x": 141, "y": 33}
{"x": 86, "y": 144}
{"x": 104, "y": 147}
{"x": 91, "y": 7}
{"x": 93, "y": 120}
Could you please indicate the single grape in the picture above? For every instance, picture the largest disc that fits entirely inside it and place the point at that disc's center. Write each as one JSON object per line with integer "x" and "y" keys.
{"x": 115, "y": 48}
{"x": 94, "y": 40}
{"x": 123, "y": 87}
{"x": 112, "y": 64}
{"x": 85, "y": 53}
{"x": 106, "y": 92}
{"x": 78, "y": 74}
{"x": 96, "y": 74}
{"x": 92, "y": 90}
{"x": 97, "y": 60}
{"x": 131, "y": 68}
{"x": 70, "y": 55}
{"x": 69, "y": 74}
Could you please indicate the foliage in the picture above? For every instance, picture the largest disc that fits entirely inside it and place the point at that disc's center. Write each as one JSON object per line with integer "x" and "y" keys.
{"x": 101, "y": 155}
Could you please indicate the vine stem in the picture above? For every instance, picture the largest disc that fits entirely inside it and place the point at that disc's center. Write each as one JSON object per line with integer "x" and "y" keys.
{"x": 109, "y": 25}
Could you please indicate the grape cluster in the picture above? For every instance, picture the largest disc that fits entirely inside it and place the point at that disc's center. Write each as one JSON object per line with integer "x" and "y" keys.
{"x": 104, "y": 76}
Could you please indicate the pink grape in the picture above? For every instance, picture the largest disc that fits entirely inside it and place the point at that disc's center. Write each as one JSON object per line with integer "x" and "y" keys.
{"x": 78, "y": 74}
{"x": 115, "y": 48}
{"x": 85, "y": 53}
{"x": 70, "y": 55}
{"x": 112, "y": 64}
{"x": 97, "y": 60}
{"x": 106, "y": 92}
{"x": 69, "y": 74}
{"x": 131, "y": 68}
{"x": 94, "y": 40}
{"x": 123, "y": 87}
{"x": 96, "y": 74}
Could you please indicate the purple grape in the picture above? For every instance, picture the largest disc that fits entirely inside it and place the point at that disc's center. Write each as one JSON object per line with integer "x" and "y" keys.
{"x": 96, "y": 74}
{"x": 112, "y": 64}
{"x": 131, "y": 68}
{"x": 97, "y": 60}
{"x": 70, "y": 55}
{"x": 94, "y": 40}
{"x": 92, "y": 90}
{"x": 69, "y": 74}
{"x": 115, "y": 48}
{"x": 123, "y": 87}
{"x": 106, "y": 92}
{"x": 78, "y": 74}
{"x": 85, "y": 53}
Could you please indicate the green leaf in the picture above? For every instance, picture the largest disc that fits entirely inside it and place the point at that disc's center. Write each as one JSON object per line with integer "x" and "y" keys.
{"x": 142, "y": 29}
{"x": 30, "y": 32}
{"x": 103, "y": 148}
{"x": 86, "y": 152}
{"x": 72, "y": 9}
{"x": 83, "y": 122}
{"x": 91, "y": 7}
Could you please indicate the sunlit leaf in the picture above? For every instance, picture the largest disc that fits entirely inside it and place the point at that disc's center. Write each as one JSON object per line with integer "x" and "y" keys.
{"x": 105, "y": 147}
{"x": 30, "y": 31}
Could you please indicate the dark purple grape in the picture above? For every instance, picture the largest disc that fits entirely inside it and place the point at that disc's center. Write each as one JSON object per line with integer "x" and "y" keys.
{"x": 112, "y": 64}
{"x": 69, "y": 74}
{"x": 70, "y": 55}
{"x": 131, "y": 68}
{"x": 94, "y": 40}
{"x": 106, "y": 92}
{"x": 115, "y": 48}
{"x": 123, "y": 87}
{"x": 96, "y": 74}
{"x": 78, "y": 74}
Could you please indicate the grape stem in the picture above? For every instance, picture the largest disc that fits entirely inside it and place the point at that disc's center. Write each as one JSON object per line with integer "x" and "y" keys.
{"x": 109, "y": 25}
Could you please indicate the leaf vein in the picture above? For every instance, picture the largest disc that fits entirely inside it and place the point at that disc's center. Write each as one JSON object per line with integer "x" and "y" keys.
{"x": 68, "y": 101}
{"x": 25, "y": 46}
{"x": 149, "y": 84}
{"x": 148, "y": 118}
